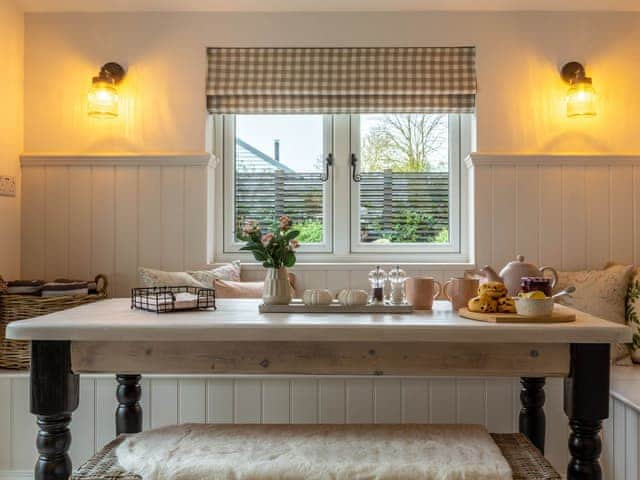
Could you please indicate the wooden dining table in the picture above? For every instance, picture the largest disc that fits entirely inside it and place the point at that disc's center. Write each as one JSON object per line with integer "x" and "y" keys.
{"x": 108, "y": 337}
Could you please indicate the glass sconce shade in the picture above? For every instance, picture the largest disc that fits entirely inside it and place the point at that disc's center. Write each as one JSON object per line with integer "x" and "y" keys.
{"x": 581, "y": 99}
{"x": 103, "y": 99}
{"x": 103, "y": 96}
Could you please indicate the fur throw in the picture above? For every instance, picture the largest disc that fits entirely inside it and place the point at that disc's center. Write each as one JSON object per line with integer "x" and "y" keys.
{"x": 314, "y": 452}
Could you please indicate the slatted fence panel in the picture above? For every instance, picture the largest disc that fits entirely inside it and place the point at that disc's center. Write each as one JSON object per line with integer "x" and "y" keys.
{"x": 388, "y": 200}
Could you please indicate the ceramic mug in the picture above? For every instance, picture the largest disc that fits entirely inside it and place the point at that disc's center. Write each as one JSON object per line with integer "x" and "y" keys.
{"x": 460, "y": 290}
{"x": 422, "y": 291}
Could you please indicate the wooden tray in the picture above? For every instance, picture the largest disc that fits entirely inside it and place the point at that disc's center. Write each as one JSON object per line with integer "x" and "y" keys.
{"x": 556, "y": 317}
{"x": 296, "y": 306}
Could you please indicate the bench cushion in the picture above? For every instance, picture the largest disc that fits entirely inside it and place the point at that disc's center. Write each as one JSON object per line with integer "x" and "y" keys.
{"x": 525, "y": 461}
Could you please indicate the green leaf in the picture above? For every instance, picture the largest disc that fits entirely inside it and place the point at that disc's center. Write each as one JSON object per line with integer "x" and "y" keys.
{"x": 292, "y": 234}
{"x": 260, "y": 256}
{"x": 289, "y": 259}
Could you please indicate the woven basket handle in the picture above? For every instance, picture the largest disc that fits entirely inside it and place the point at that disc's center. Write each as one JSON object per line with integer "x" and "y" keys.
{"x": 101, "y": 284}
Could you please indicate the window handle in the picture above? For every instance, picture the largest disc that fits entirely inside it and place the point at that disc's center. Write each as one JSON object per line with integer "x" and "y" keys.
{"x": 328, "y": 162}
{"x": 354, "y": 175}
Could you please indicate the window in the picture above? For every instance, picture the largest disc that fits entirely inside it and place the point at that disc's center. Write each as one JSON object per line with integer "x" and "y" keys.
{"x": 407, "y": 184}
{"x": 276, "y": 168}
{"x": 394, "y": 186}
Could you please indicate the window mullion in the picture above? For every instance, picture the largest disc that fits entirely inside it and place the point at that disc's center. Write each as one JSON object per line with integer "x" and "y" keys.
{"x": 354, "y": 188}
{"x": 341, "y": 205}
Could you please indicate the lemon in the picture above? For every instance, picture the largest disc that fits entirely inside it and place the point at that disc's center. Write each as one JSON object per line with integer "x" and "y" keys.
{"x": 535, "y": 295}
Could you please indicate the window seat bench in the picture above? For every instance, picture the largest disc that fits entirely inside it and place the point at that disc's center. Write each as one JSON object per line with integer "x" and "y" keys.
{"x": 525, "y": 460}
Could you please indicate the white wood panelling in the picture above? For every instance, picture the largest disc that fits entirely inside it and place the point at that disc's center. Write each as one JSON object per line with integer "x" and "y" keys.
{"x": 493, "y": 402}
{"x": 88, "y": 214}
{"x": 569, "y": 211}
{"x": 209, "y": 399}
{"x": 621, "y": 442}
{"x": 110, "y": 214}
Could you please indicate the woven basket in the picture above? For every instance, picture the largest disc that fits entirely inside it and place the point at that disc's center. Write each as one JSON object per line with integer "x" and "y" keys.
{"x": 525, "y": 460}
{"x": 15, "y": 354}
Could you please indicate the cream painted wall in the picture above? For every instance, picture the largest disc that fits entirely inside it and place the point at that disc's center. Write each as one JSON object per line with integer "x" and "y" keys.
{"x": 11, "y": 128}
{"x": 520, "y": 94}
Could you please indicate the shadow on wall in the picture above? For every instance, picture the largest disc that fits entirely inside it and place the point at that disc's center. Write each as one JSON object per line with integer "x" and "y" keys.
{"x": 575, "y": 142}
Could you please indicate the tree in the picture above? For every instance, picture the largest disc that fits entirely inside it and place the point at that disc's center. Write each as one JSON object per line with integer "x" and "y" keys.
{"x": 404, "y": 143}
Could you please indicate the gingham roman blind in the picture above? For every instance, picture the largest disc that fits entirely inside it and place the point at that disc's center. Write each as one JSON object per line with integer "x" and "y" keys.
{"x": 341, "y": 80}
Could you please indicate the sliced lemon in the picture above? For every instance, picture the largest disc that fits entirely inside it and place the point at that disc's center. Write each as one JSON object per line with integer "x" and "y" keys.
{"x": 535, "y": 295}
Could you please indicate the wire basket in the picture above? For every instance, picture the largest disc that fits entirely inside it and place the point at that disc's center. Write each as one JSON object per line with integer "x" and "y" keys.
{"x": 173, "y": 299}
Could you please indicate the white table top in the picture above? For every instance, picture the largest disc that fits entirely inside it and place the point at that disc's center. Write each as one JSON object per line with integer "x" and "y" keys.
{"x": 239, "y": 320}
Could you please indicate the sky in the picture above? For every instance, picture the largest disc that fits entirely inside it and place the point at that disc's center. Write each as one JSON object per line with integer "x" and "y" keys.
{"x": 300, "y": 137}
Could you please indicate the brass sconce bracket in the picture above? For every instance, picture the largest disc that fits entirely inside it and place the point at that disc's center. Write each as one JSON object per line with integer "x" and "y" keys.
{"x": 573, "y": 71}
{"x": 112, "y": 72}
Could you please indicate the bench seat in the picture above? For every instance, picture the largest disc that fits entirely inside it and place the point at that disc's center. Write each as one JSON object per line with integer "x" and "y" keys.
{"x": 525, "y": 461}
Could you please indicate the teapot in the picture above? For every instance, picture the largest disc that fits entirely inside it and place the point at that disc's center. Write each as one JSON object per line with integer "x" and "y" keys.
{"x": 512, "y": 273}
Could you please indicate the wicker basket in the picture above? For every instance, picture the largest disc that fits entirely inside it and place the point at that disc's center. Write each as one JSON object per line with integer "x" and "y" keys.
{"x": 15, "y": 354}
{"x": 525, "y": 460}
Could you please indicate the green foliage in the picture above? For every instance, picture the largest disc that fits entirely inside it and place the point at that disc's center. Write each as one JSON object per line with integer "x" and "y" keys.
{"x": 443, "y": 236}
{"x": 407, "y": 231}
{"x": 311, "y": 231}
{"x": 410, "y": 230}
{"x": 633, "y": 295}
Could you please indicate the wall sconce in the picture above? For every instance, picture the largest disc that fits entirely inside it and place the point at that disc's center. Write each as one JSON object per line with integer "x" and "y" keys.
{"x": 581, "y": 97}
{"x": 103, "y": 96}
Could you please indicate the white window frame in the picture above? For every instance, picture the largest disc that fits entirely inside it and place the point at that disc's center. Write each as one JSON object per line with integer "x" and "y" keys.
{"x": 342, "y": 226}
{"x": 455, "y": 161}
{"x": 230, "y": 244}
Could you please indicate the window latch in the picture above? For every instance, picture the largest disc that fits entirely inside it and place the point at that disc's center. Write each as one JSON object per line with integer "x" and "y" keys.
{"x": 354, "y": 175}
{"x": 328, "y": 162}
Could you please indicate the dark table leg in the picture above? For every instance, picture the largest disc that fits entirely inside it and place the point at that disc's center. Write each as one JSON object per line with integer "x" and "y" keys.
{"x": 129, "y": 411}
{"x": 586, "y": 403}
{"x": 532, "y": 418}
{"x": 54, "y": 396}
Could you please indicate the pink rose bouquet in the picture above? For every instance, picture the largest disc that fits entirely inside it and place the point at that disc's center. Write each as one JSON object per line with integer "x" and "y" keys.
{"x": 274, "y": 249}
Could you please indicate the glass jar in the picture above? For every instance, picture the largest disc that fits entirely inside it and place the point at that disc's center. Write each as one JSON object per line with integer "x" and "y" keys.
{"x": 377, "y": 279}
{"x": 542, "y": 284}
{"x": 397, "y": 277}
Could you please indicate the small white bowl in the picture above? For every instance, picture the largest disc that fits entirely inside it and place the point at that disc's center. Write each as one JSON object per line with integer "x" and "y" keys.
{"x": 534, "y": 307}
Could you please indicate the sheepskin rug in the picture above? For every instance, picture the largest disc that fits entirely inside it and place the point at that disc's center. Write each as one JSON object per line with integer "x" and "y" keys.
{"x": 314, "y": 452}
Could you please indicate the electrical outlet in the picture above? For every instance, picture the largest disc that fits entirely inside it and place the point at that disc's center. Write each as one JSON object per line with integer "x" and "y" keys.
{"x": 7, "y": 186}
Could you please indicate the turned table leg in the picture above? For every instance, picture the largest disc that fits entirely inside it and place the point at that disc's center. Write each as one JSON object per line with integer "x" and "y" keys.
{"x": 129, "y": 411}
{"x": 586, "y": 403}
{"x": 532, "y": 418}
{"x": 54, "y": 396}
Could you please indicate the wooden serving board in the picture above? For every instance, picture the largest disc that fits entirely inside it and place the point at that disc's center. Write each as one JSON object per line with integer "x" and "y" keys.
{"x": 555, "y": 317}
{"x": 296, "y": 306}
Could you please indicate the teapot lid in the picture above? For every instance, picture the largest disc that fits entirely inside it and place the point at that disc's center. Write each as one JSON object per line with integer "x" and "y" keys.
{"x": 519, "y": 263}
{"x": 519, "y": 259}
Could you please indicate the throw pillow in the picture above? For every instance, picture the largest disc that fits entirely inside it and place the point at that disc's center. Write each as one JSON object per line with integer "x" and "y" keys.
{"x": 633, "y": 315}
{"x": 231, "y": 289}
{"x": 159, "y": 278}
{"x": 229, "y": 271}
{"x": 601, "y": 293}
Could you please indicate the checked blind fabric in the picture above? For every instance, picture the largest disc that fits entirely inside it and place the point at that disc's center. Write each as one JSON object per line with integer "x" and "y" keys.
{"x": 341, "y": 80}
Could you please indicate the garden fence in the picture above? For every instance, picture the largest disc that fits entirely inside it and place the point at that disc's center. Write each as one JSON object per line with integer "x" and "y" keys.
{"x": 387, "y": 199}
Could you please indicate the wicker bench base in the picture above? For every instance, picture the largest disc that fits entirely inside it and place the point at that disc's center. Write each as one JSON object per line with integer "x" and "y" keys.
{"x": 525, "y": 460}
